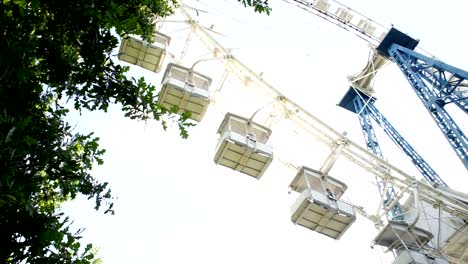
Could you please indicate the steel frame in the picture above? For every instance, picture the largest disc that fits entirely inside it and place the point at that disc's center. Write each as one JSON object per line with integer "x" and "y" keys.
{"x": 427, "y": 172}
{"x": 437, "y": 84}
{"x": 372, "y": 144}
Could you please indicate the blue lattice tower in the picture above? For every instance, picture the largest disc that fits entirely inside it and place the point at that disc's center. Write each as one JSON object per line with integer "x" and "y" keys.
{"x": 426, "y": 171}
{"x": 363, "y": 105}
{"x": 436, "y": 84}
{"x": 364, "y": 119}
{"x": 358, "y": 102}
{"x": 373, "y": 145}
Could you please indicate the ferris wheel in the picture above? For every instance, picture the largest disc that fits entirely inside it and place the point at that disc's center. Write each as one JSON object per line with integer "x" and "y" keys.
{"x": 244, "y": 143}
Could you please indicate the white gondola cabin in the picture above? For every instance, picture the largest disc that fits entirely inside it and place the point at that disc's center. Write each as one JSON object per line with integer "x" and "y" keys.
{"x": 344, "y": 14}
{"x": 243, "y": 146}
{"x": 145, "y": 55}
{"x": 186, "y": 89}
{"x": 398, "y": 235}
{"x": 319, "y": 207}
{"x": 322, "y": 5}
{"x": 367, "y": 26}
{"x": 451, "y": 234}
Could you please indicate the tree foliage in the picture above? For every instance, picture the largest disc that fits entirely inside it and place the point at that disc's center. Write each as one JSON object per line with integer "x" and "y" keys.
{"x": 53, "y": 52}
{"x": 260, "y": 6}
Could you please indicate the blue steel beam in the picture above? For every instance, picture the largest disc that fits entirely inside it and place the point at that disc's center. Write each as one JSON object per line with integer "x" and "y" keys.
{"x": 364, "y": 119}
{"x": 373, "y": 145}
{"x": 449, "y": 83}
{"x": 436, "y": 84}
{"x": 449, "y": 88}
{"x": 423, "y": 167}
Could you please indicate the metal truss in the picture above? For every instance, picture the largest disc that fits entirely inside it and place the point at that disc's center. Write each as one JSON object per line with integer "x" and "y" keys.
{"x": 325, "y": 134}
{"x": 427, "y": 172}
{"x": 372, "y": 144}
{"x": 437, "y": 84}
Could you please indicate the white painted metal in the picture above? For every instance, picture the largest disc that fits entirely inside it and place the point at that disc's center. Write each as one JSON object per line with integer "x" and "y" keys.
{"x": 450, "y": 232}
{"x": 322, "y": 4}
{"x": 332, "y": 157}
{"x": 243, "y": 146}
{"x": 413, "y": 257}
{"x": 327, "y": 135}
{"x": 343, "y": 14}
{"x": 346, "y": 18}
{"x": 456, "y": 246}
{"x": 308, "y": 211}
{"x": 319, "y": 212}
{"x": 367, "y": 26}
{"x": 364, "y": 80}
{"x": 319, "y": 207}
{"x": 308, "y": 178}
{"x": 145, "y": 55}
{"x": 186, "y": 89}
{"x": 400, "y": 236}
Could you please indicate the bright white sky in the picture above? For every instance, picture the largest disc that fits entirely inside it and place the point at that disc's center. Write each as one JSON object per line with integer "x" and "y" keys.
{"x": 174, "y": 205}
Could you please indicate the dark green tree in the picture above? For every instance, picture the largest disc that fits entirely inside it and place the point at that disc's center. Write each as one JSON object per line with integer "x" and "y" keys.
{"x": 260, "y": 6}
{"x": 52, "y": 52}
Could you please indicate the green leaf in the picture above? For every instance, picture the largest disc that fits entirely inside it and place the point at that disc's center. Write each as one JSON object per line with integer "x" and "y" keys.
{"x": 55, "y": 52}
{"x": 11, "y": 197}
{"x": 10, "y": 134}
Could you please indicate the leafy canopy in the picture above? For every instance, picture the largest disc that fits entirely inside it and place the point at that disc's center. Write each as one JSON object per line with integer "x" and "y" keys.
{"x": 51, "y": 52}
{"x": 260, "y": 6}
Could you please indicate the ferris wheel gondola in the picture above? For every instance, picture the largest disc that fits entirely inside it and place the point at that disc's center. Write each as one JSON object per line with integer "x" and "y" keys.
{"x": 388, "y": 173}
{"x": 243, "y": 147}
